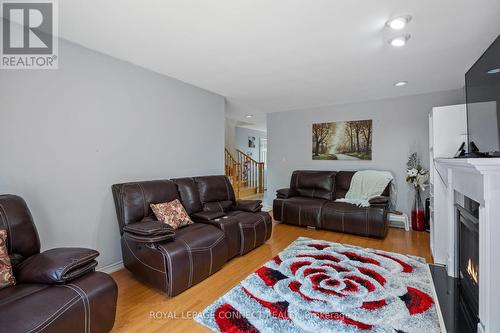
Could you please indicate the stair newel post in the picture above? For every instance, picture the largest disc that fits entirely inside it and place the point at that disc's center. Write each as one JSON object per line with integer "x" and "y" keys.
{"x": 261, "y": 177}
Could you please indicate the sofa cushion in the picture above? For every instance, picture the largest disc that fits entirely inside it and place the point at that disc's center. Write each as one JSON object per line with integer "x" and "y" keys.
{"x": 346, "y": 217}
{"x": 13, "y": 293}
{"x": 6, "y": 275}
{"x": 199, "y": 236}
{"x": 198, "y": 251}
{"x": 214, "y": 188}
{"x": 16, "y": 218}
{"x": 171, "y": 213}
{"x": 313, "y": 184}
{"x": 254, "y": 229}
{"x": 302, "y": 211}
{"x": 343, "y": 183}
{"x": 188, "y": 192}
{"x": 132, "y": 200}
{"x": 88, "y": 304}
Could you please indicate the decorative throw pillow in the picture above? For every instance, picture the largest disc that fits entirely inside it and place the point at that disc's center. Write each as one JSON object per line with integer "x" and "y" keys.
{"x": 6, "y": 276}
{"x": 171, "y": 213}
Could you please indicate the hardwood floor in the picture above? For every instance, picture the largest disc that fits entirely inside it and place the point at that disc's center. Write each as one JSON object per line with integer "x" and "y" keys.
{"x": 136, "y": 302}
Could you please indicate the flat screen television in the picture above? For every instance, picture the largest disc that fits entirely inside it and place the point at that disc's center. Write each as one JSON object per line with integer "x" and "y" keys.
{"x": 482, "y": 84}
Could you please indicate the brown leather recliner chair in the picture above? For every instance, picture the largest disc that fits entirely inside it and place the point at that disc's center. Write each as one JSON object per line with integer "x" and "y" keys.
{"x": 174, "y": 260}
{"x": 310, "y": 202}
{"x": 57, "y": 290}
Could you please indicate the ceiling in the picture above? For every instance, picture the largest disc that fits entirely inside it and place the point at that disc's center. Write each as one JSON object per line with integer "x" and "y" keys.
{"x": 275, "y": 55}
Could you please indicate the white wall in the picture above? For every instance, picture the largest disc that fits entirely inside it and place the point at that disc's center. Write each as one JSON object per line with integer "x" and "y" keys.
{"x": 400, "y": 126}
{"x": 67, "y": 135}
{"x": 241, "y": 141}
{"x": 230, "y": 135}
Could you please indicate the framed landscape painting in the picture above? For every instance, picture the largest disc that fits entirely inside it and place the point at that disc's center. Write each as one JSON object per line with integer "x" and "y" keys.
{"x": 342, "y": 140}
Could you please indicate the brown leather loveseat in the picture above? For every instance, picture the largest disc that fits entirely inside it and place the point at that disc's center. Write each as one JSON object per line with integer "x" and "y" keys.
{"x": 174, "y": 260}
{"x": 57, "y": 290}
{"x": 310, "y": 202}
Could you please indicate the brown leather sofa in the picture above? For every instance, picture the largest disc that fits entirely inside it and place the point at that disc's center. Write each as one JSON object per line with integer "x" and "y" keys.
{"x": 310, "y": 202}
{"x": 174, "y": 260}
{"x": 57, "y": 290}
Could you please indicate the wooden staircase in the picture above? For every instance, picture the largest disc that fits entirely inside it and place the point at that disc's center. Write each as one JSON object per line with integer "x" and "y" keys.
{"x": 245, "y": 173}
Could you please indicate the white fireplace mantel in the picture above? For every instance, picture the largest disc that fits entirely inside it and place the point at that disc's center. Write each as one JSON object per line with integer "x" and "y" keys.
{"x": 478, "y": 179}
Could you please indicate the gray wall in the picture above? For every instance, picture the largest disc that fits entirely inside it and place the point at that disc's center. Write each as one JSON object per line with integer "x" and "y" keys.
{"x": 241, "y": 141}
{"x": 400, "y": 126}
{"x": 67, "y": 135}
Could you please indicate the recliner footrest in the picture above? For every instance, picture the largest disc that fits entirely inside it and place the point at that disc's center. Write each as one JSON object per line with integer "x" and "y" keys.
{"x": 197, "y": 252}
{"x": 255, "y": 230}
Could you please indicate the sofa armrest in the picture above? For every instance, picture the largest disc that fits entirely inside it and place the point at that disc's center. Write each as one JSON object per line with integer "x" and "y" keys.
{"x": 149, "y": 231}
{"x": 56, "y": 266}
{"x": 207, "y": 216}
{"x": 251, "y": 206}
{"x": 380, "y": 201}
{"x": 286, "y": 193}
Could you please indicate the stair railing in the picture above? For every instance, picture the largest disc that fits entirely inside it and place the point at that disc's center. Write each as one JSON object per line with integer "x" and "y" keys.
{"x": 232, "y": 170}
{"x": 251, "y": 171}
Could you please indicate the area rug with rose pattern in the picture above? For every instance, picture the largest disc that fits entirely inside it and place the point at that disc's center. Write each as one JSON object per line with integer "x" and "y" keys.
{"x": 319, "y": 286}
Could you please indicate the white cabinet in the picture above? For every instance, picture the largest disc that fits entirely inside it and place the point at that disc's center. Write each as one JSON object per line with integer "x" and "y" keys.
{"x": 447, "y": 130}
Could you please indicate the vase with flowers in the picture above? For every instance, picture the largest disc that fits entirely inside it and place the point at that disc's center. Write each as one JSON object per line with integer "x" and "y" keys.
{"x": 417, "y": 176}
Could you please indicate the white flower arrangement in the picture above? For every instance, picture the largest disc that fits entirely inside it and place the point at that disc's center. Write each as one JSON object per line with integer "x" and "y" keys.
{"x": 416, "y": 175}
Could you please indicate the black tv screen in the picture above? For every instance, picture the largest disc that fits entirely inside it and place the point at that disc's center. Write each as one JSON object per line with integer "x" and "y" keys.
{"x": 482, "y": 83}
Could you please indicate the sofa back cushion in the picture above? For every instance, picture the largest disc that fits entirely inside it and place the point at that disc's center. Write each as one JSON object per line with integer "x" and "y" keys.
{"x": 22, "y": 236}
{"x": 188, "y": 191}
{"x": 132, "y": 200}
{"x": 216, "y": 193}
{"x": 314, "y": 184}
{"x": 343, "y": 182}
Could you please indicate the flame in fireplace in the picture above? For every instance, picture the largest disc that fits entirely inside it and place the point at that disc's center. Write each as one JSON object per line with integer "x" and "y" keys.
{"x": 471, "y": 269}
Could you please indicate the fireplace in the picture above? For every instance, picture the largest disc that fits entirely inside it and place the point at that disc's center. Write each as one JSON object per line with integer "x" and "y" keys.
{"x": 479, "y": 180}
{"x": 468, "y": 258}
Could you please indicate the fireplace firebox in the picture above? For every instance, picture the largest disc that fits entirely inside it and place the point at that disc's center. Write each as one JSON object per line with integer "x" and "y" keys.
{"x": 468, "y": 259}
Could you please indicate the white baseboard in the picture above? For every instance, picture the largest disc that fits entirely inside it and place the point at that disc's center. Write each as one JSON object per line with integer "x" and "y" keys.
{"x": 108, "y": 269}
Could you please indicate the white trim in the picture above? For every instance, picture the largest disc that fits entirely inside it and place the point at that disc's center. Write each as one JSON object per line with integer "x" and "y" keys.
{"x": 478, "y": 179}
{"x": 111, "y": 268}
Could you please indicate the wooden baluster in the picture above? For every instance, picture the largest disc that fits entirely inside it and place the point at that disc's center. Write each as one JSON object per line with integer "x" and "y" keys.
{"x": 254, "y": 183}
{"x": 253, "y": 174}
{"x": 250, "y": 171}
{"x": 256, "y": 176}
{"x": 256, "y": 172}
{"x": 249, "y": 166}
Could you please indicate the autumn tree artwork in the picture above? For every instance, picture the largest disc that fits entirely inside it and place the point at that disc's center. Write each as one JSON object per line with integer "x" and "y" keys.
{"x": 342, "y": 140}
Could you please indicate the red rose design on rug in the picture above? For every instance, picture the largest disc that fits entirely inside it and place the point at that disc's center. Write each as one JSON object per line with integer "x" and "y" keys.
{"x": 320, "y": 286}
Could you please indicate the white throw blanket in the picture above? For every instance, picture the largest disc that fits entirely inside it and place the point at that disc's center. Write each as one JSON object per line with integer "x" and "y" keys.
{"x": 366, "y": 185}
